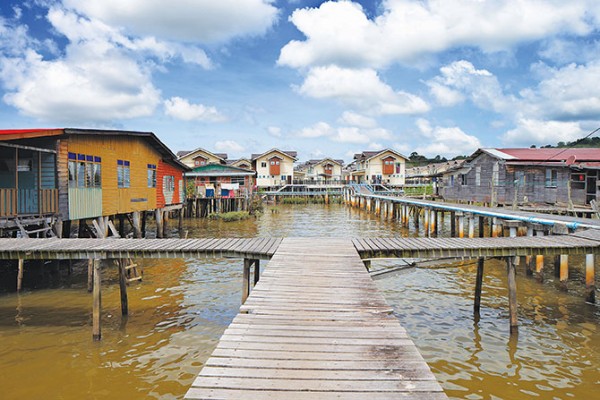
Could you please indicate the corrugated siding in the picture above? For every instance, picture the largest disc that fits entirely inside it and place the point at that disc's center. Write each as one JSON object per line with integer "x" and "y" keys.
{"x": 163, "y": 196}
{"x": 85, "y": 203}
{"x": 115, "y": 200}
{"x": 63, "y": 178}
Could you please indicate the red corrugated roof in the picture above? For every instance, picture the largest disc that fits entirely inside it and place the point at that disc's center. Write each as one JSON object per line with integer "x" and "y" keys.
{"x": 581, "y": 154}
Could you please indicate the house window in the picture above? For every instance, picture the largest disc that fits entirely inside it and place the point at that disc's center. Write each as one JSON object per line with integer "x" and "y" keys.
{"x": 169, "y": 183}
{"x": 123, "y": 174}
{"x": 151, "y": 175}
{"x": 398, "y": 167}
{"x": 263, "y": 164}
{"x": 478, "y": 176}
{"x": 463, "y": 179}
{"x": 237, "y": 179}
{"x": 578, "y": 180}
{"x": 85, "y": 171}
{"x": 551, "y": 178}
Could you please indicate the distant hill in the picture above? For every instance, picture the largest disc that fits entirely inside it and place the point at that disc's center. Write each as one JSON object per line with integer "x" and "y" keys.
{"x": 587, "y": 142}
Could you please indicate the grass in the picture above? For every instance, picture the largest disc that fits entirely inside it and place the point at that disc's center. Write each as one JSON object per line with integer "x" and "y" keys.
{"x": 230, "y": 216}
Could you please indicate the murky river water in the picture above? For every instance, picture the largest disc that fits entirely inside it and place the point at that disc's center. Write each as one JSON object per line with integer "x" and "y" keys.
{"x": 179, "y": 311}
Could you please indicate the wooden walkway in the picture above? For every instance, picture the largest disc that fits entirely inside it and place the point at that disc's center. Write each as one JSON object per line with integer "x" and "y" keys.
{"x": 73, "y": 249}
{"x": 585, "y": 242}
{"x": 315, "y": 327}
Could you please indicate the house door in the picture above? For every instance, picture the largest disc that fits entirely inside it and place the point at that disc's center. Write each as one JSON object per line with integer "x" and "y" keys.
{"x": 27, "y": 178}
{"x": 590, "y": 187}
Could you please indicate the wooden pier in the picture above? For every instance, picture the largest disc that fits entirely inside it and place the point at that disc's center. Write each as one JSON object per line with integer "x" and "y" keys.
{"x": 315, "y": 327}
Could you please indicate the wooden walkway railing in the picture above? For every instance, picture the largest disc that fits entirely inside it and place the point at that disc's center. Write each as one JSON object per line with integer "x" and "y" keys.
{"x": 315, "y": 327}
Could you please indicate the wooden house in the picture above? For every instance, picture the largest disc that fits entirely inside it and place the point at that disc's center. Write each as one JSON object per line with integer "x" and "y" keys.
{"x": 218, "y": 180}
{"x": 554, "y": 176}
{"x": 385, "y": 167}
{"x": 201, "y": 157}
{"x": 326, "y": 170}
{"x": 102, "y": 173}
{"x": 243, "y": 162}
{"x": 274, "y": 168}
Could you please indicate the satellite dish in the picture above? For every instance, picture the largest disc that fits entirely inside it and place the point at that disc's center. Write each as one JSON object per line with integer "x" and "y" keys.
{"x": 571, "y": 160}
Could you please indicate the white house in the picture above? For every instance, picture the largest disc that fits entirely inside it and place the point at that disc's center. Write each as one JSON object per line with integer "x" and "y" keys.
{"x": 386, "y": 167}
{"x": 274, "y": 167}
{"x": 201, "y": 157}
{"x": 324, "y": 170}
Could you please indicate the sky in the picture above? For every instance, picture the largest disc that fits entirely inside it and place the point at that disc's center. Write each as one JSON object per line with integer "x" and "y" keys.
{"x": 324, "y": 78}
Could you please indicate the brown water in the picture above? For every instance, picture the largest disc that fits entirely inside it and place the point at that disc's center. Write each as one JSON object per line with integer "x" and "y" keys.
{"x": 182, "y": 307}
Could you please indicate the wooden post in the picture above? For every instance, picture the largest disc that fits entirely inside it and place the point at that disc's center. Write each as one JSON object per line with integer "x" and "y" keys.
{"x": 539, "y": 259}
{"x": 246, "y": 279}
{"x": 122, "y": 225}
{"x": 452, "y": 224}
{"x": 512, "y": 293}
{"x": 90, "y": 280}
{"x": 426, "y": 231}
{"x": 137, "y": 230}
{"x": 180, "y": 224}
{"x": 256, "y": 271}
{"x": 123, "y": 286}
{"x": 159, "y": 224}
{"x": 512, "y": 227}
{"x": 20, "y": 274}
{"x": 432, "y": 222}
{"x": 478, "y": 286}
{"x": 590, "y": 281}
{"x": 144, "y": 216}
{"x": 166, "y": 216}
{"x": 58, "y": 228}
{"x": 97, "y": 302}
{"x": 529, "y": 260}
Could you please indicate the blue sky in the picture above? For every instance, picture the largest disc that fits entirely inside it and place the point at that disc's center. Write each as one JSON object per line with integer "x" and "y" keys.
{"x": 323, "y": 78}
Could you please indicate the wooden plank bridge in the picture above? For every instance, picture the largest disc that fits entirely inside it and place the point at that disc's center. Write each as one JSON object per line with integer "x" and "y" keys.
{"x": 315, "y": 327}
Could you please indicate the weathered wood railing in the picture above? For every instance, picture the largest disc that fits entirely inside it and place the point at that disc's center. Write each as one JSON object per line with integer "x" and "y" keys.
{"x": 8, "y": 202}
{"x": 28, "y": 201}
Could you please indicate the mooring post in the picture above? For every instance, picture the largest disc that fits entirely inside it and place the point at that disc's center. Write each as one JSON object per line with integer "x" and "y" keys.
{"x": 590, "y": 280}
{"x": 512, "y": 293}
{"x": 123, "y": 285}
{"x": 90, "y": 277}
{"x": 478, "y": 286}
{"x": 256, "y": 271}
{"x": 246, "y": 279}
{"x": 97, "y": 302}
{"x": 20, "y": 274}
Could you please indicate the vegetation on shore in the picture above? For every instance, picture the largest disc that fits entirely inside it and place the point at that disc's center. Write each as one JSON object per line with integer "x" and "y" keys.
{"x": 230, "y": 216}
{"x": 310, "y": 200}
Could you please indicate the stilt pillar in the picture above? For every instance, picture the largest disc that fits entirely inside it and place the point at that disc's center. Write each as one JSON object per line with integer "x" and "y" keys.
{"x": 478, "y": 286}
{"x": 426, "y": 214}
{"x": 246, "y": 279}
{"x": 137, "y": 230}
{"x": 433, "y": 222}
{"x": 20, "y": 274}
{"x": 564, "y": 271}
{"x": 452, "y": 224}
{"x": 159, "y": 223}
{"x": 539, "y": 259}
{"x": 461, "y": 224}
{"x": 512, "y": 293}
{"x": 590, "y": 280}
{"x": 97, "y": 302}
{"x": 123, "y": 286}
{"x": 529, "y": 260}
{"x": 256, "y": 271}
{"x": 90, "y": 275}
{"x": 471, "y": 220}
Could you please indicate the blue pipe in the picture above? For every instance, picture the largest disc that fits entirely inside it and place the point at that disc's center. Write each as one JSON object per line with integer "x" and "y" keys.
{"x": 534, "y": 220}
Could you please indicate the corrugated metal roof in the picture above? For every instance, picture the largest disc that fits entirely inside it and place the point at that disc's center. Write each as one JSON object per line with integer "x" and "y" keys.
{"x": 546, "y": 154}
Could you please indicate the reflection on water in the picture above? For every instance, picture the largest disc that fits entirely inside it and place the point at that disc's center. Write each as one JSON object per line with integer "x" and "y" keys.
{"x": 182, "y": 307}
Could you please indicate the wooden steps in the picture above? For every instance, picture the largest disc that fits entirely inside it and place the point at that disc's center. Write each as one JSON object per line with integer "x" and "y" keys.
{"x": 315, "y": 327}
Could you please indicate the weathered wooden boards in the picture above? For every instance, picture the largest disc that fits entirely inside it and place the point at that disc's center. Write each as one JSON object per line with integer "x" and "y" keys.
{"x": 59, "y": 249}
{"x": 315, "y": 327}
{"x": 586, "y": 242}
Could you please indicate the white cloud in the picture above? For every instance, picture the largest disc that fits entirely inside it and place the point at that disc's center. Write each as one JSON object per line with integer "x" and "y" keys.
{"x": 445, "y": 141}
{"x": 319, "y": 129}
{"x": 274, "y": 131}
{"x": 362, "y": 89}
{"x": 531, "y": 131}
{"x": 460, "y": 80}
{"x": 198, "y": 21}
{"x": 340, "y": 32}
{"x": 179, "y": 108}
{"x": 229, "y": 145}
{"x": 354, "y": 119}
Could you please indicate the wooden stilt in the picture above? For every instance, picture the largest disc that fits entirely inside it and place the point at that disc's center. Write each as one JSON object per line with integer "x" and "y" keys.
{"x": 529, "y": 260}
{"x": 123, "y": 286}
{"x": 166, "y": 216}
{"x": 20, "y": 275}
{"x": 121, "y": 225}
{"x": 461, "y": 225}
{"x": 90, "y": 280}
{"x": 481, "y": 227}
{"x": 471, "y": 226}
{"x": 564, "y": 271}
{"x": 478, "y": 286}
{"x": 590, "y": 280}
{"x": 426, "y": 214}
{"x": 159, "y": 223}
{"x": 539, "y": 259}
{"x": 452, "y": 224}
{"x": 180, "y": 223}
{"x": 246, "y": 279}
{"x": 137, "y": 229}
{"x": 433, "y": 221}
{"x": 97, "y": 302}
{"x": 256, "y": 271}
{"x": 512, "y": 293}
{"x": 144, "y": 217}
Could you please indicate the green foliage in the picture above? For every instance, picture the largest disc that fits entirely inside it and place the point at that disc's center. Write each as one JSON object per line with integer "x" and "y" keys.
{"x": 190, "y": 189}
{"x": 415, "y": 160}
{"x": 230, "y": 216}
{"x": 418, "y": 190}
